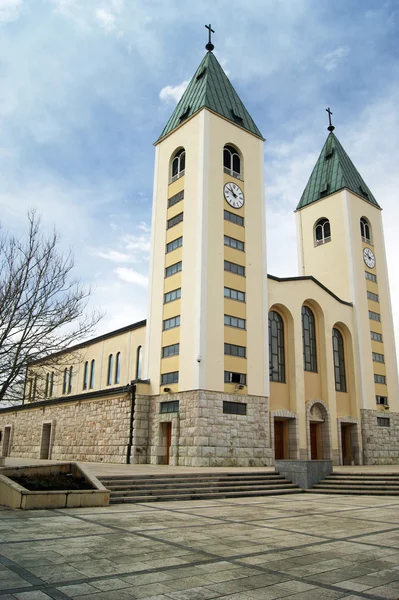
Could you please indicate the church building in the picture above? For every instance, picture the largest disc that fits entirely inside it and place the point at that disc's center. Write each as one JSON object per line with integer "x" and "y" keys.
{"x": 233, "y": 367}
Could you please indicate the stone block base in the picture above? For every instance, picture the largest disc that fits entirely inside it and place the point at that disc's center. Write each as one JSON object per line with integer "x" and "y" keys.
{"x": 380, "y": 444}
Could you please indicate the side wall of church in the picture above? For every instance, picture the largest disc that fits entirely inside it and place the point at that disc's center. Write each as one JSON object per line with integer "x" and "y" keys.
{"x": 86, "y": 430}
{"x": 380, "y": 444}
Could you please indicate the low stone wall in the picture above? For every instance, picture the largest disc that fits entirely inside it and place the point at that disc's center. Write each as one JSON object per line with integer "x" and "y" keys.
{"x": 204, "y": 436}
{"x": 380, "y": 444}
{"x": 86, "y": 430}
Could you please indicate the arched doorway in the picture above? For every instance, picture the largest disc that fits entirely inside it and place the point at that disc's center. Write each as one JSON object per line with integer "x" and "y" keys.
{"x": 318, "y": 431}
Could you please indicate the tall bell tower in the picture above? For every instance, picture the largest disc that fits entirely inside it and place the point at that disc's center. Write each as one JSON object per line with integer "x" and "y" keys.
{"x": 208, "y": 309}
{"x": 341, "y": 243}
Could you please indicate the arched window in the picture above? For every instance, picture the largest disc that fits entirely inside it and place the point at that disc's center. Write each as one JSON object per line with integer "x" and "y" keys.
{"x": 70, "y": 380}
{"x": 110, "y": 364}
{"x": 51, "y": 384}
{"x": 118, "y": 367}
{"x": 65, "y": 381}
{"x": 92, "y": 373}
{"x": 138, "y": 362}
{"x": 339, "y": 361}
{"x": 232, "y": 162}
{"x": 276, "y": 348}
{"x": 322, "y": 231}
{"x": 309, "y": 340}
{"x": 178, "y": 164}
{"x": 85, "y": 375}
{"x": 365, "y": 230}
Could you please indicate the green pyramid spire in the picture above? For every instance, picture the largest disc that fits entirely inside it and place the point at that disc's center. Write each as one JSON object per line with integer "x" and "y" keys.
{"x": 334, "y": 171}
{"x": 211, "y": 88}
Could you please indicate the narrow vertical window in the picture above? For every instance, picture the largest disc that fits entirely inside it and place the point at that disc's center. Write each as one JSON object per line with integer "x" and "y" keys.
{"x": 51, "y": 390}
{"x": 118, "y": 367}
{"x": 339, "y": 361}
{"x": 365, "y": 230}
{"x": 276, "y": 347}
{"x": 309, "y": 340}
{"x": 47, "y": 385}
{"x": 85, "y": 375}
{"x": 70, "y": 380}
{"x": 110, "y": 365}
{"x": 138, "y": 362}
{"x": 92, "y": 373}
{"x": 65, "y": 381}
{"x": 178, "y": 164}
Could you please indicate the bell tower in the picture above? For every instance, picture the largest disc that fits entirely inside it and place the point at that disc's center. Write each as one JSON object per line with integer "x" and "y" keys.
{"x": 208, "y": 305}
{"x": 341, "y": 243}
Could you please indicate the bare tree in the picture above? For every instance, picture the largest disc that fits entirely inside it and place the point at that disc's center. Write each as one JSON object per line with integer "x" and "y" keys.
{"x": 42, "y": 307}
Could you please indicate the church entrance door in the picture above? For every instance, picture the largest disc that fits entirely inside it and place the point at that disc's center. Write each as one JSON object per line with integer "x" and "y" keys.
{"x": 346, "y": 438}
{"x": 279, "y": 440}
{"x": 315, "y": 441}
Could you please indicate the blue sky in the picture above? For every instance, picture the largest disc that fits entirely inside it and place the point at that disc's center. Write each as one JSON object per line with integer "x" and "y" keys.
{"x": 86, "y": 87}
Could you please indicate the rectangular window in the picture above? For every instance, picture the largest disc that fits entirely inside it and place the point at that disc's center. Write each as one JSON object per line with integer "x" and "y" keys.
{"x": 176, "y": 198}
{"x": 169, "y": 407}
{"x": 374, "y": 316}
{"x": 173, "y": 269}
{"x": 233, "y": 218}
{"x": 171, "y": 296}
{"x": 171, "y": 323}
{"x": 233, "y": 350}
{"x": 234, "y": 408}
{"x": 372, "y": 296}
{"x": 377, "y": 337}
{"x": 233, "y": 268}
{"x": 172, "y": 350}
{"x": 238, "y": 378}
{"x": 234, "y": 322}
{"x": 378, "y": 357}
{"x": 383, "y": 400}
{"x": 234, "y": 294}
{"x": 370, "y": 276}
{"x": 172, "y": 377}
{"x": 379, "y": 378}
{"x": 177, "y": 243}
{"x": 233, "y": 243}
{"x": 383, "y": 421}
{"x": 175, "y": 220}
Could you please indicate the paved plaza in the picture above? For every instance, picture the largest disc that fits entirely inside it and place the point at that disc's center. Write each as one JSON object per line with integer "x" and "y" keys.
{"x": 305, "y": 546}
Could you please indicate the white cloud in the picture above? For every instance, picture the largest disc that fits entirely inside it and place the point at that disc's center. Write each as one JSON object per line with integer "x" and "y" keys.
{"x": 113, "y": 256}
{"x": 132, "y": 276}
{"x": 331, "y": 60}
{"x": 106, "y": 19}
{"x": 172, "y": 94}
{"x": 10, "y": 10}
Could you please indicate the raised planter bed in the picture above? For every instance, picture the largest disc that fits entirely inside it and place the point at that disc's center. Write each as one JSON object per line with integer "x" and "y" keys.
{"x": 64, "y": 485}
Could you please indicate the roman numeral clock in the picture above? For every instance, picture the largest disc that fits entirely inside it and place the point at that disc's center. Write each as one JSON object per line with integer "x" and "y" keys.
{"x": 234, "y": 195}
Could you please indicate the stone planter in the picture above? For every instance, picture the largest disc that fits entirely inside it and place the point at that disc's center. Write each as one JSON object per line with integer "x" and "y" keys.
{"x": 305, "y": 473}
{"x": 15, "y": 496}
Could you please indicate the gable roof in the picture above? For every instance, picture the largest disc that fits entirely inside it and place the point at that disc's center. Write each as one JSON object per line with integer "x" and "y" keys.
{"x": 332, "y": 172}
{"x": 211, "y": 88}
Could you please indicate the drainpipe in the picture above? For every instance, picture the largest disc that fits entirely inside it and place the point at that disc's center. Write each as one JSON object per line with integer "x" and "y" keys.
{"x": 131, "y": 423}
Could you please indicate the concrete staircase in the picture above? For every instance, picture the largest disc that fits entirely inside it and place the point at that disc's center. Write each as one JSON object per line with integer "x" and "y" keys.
{"x": 196, "y": 486}
{"x": 375, "y": 484}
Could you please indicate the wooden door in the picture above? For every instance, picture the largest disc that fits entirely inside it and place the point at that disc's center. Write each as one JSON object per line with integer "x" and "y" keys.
{"x": 168, "y": 435}
{"x": 346, "y": 444}
{"x": 314, "y": 455}
{"x": 279, "y": 440}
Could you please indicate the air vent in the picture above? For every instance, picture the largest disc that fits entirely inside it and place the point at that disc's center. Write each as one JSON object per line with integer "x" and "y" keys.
{"x": 236, "y": 114}
{"x": 185, "y": 113}
{"x": 329, "y": 152}
{"x": 201, "y": 74}
{"x": 324, "y": 187}
{"x": 363, "y": 191}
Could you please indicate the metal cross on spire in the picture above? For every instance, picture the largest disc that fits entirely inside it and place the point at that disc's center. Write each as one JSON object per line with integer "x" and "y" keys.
{"x": 209, "y": 45}
{"x": 331, "y": 126}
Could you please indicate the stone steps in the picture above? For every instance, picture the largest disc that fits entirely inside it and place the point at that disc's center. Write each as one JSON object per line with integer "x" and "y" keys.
{"x": 196, "y": 486}
{"x": 375, "y": 484}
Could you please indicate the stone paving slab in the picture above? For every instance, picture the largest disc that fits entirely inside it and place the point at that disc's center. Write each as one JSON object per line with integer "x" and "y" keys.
{"x": 304, "y": 547}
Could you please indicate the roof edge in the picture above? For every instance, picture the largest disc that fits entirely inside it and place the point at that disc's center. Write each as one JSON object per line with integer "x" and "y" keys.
{"x": 337, "y": 192}
{"x": 310, "y": 278}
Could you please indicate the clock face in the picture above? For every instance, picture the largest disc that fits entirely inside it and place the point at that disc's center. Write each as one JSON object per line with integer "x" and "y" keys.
{"x": 369, "y": 258}
{"x": 234, "y": 195}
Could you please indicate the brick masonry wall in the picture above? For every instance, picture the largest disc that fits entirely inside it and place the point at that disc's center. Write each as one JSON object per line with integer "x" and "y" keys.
{"x": 91, "y": 430}
{"x": 204, "y": 436}
{"x": 380, "y": 444}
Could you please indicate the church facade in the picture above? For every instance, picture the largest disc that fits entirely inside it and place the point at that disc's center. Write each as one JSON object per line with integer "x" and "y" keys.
{"x": 233, "y": 367}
